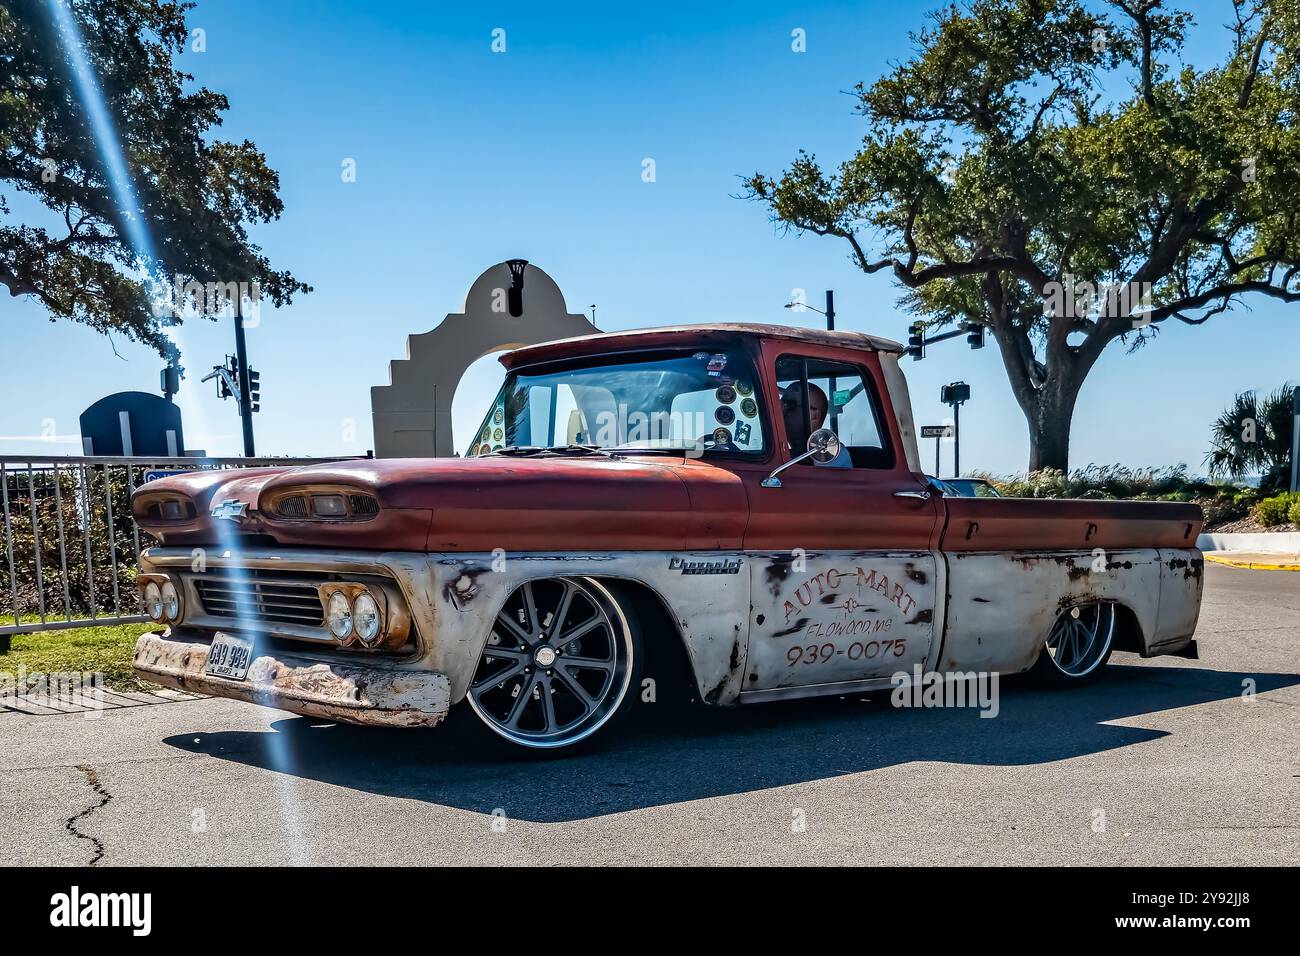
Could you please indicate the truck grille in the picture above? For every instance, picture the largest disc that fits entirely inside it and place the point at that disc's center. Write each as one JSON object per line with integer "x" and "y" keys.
{"x": 259, "y": 595}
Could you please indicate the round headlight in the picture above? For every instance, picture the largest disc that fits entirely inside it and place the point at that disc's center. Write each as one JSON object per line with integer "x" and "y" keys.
{"x": 153, "y": 602}
{"x": 171, "y": 602}
{"x": 338, "y": 616}
{"x": 365, "y": 618}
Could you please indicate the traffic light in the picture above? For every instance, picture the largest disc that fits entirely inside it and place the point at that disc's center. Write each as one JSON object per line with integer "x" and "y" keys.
{"x": 223, "y": 383}
{"x": 254, "y": 390}
{"x": 975, "y": 336}
{"x": 954, "y": 394}
{"x": 170, "y": 381}
{"x": 916, "y": 341}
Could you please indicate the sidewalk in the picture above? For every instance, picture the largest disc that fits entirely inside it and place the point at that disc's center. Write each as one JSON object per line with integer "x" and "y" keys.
{"x": 1255, "y": 560}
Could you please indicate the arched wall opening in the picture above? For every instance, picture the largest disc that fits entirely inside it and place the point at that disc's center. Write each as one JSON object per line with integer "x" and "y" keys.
{"x": 513, "y": 303}
{"x": 474, "y": 394}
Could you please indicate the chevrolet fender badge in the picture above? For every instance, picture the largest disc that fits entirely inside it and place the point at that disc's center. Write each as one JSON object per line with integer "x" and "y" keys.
{"x": 231, "y": 510}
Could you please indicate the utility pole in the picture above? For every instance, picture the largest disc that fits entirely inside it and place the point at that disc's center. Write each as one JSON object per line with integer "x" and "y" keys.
{"x": 1295, "y": 437}
{"x": 245, "y": 392}
{"x": 956, "y": 440}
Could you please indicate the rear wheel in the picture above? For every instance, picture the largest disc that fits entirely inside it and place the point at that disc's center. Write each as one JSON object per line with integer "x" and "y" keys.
{"x": 560, "y": 665}
{"x": 1079, "y": 644}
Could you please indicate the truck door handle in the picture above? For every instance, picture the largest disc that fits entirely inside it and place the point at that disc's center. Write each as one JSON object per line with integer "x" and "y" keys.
{"x": 922, "y": 495}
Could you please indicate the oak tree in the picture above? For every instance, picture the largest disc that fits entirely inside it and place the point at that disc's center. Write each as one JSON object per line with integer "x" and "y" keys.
{"x": 1052, "y": 171}
{"x": 103, "y": 141}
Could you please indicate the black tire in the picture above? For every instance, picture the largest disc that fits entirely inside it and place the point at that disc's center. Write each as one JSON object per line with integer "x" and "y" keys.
{"x": 531, "y": 650}
{"x": 1078, "y": 646}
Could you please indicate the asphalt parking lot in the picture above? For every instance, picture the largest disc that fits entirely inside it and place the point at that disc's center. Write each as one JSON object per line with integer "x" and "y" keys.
{"x": 1164, "y": 761}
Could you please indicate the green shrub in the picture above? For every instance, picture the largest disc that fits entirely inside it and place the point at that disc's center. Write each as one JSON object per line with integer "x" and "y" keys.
{"x": 1293, "y": 513}
{"x": 1111, "y": 482}
{"x": 1246, "y": 497}
{"x": 1220, "y": 510}
{"x": 1274, "y": 511}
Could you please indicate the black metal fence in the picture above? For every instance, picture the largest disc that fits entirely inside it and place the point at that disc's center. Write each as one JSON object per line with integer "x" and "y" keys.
{"x": 70, "y": 542}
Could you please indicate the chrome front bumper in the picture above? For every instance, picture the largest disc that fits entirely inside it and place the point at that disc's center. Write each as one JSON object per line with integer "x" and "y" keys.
{"x": 332, "y": 690}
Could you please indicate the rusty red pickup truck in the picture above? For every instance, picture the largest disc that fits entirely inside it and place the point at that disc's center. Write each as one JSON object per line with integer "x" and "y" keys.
{"x": 736, "y": 512}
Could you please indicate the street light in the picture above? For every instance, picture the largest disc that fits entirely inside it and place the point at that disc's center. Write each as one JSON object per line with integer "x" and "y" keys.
{"x": 829, "y": 311}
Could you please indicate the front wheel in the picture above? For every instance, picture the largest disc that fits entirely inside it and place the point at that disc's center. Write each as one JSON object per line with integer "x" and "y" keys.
{"x": 560, "y": 664}
{"x": 1078, "y": 645}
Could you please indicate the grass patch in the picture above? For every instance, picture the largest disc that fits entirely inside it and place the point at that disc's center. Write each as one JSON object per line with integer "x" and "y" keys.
{"x": 104, "y": 649}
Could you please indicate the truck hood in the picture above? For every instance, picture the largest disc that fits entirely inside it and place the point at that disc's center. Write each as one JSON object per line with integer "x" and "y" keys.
{"x": 475, "y": 505}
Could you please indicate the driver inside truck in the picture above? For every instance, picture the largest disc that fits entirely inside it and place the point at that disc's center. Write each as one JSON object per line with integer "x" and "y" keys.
{"x": 796, "y": 426}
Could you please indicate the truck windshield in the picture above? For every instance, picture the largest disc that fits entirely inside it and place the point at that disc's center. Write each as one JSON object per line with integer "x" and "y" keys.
{"x": 677, "y": 402}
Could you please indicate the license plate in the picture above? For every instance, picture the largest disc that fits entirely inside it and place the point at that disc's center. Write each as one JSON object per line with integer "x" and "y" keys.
{"x": 229, "y": 657}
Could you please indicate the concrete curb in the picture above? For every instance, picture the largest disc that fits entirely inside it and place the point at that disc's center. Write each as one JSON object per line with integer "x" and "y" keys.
{"x": 1267, "y": 542}
{"x": 1277, "y": 563}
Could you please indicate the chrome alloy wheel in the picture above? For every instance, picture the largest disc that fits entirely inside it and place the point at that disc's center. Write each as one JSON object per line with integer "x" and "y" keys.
{"x": 557, "y": 664}
{"x": 1081, "y": 637}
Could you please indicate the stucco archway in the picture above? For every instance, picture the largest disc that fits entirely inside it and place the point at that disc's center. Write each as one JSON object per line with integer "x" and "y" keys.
{"x": 511, "y": 304}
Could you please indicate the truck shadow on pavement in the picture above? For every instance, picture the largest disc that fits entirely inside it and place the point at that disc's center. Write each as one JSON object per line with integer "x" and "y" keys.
{"x": 710, "y": 753}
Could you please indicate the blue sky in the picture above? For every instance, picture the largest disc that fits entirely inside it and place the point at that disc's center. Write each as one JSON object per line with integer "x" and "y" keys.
{"x": 466, "y": 157}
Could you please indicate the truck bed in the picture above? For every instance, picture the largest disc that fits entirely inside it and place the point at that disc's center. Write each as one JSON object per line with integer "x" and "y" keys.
{"x": 1080, "y": 524}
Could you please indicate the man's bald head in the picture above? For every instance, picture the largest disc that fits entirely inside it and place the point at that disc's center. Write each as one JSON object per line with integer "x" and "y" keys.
{"x": 792, "y": 411}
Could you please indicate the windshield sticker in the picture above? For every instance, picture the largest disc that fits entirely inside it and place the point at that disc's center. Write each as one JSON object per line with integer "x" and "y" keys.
{"x": 721, "y": 436}
{"x": 725, "y": 395}
{"x": 748, "y": 407}
{"x": 742, "y": 434}
{"x": 725, "y": 414}
{"x": 717, "y": 363}
{"x": 744, "y": 389}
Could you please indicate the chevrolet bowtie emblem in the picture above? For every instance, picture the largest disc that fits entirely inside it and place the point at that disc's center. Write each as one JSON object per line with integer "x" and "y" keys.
{"x": 230, "y": 510}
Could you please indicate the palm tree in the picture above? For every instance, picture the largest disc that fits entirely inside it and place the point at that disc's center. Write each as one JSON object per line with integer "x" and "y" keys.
{"x": 1253, "y": 436}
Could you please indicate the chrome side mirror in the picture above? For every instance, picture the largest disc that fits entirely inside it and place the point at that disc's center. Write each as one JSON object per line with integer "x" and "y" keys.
{"x": 823, "y": 446}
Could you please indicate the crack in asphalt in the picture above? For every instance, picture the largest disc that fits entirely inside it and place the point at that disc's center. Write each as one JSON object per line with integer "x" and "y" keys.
{"x": 71, "y": 823}
{"x": 40, "y": 767}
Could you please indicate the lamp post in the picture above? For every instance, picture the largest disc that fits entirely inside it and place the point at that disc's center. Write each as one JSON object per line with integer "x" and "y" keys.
{"x": 829, "y": 311}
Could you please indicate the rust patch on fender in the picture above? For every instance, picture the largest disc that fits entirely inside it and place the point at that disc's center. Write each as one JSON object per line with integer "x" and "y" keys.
{"x": 795, "y": 628}
{"x": 464, "y": 589}
{"x": 715, "y": 692}
{"x": 777, "y": 570}
{"x": 1192, "y": 568}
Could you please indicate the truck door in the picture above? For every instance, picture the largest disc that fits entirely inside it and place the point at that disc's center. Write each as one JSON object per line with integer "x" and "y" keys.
{"x": 844, "y": 576}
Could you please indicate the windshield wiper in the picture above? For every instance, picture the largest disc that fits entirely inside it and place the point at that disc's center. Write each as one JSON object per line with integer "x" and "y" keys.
{"x": 517, "y": 450}
{"x": 582, "y": 450}
{"x": 643, "y": 450}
